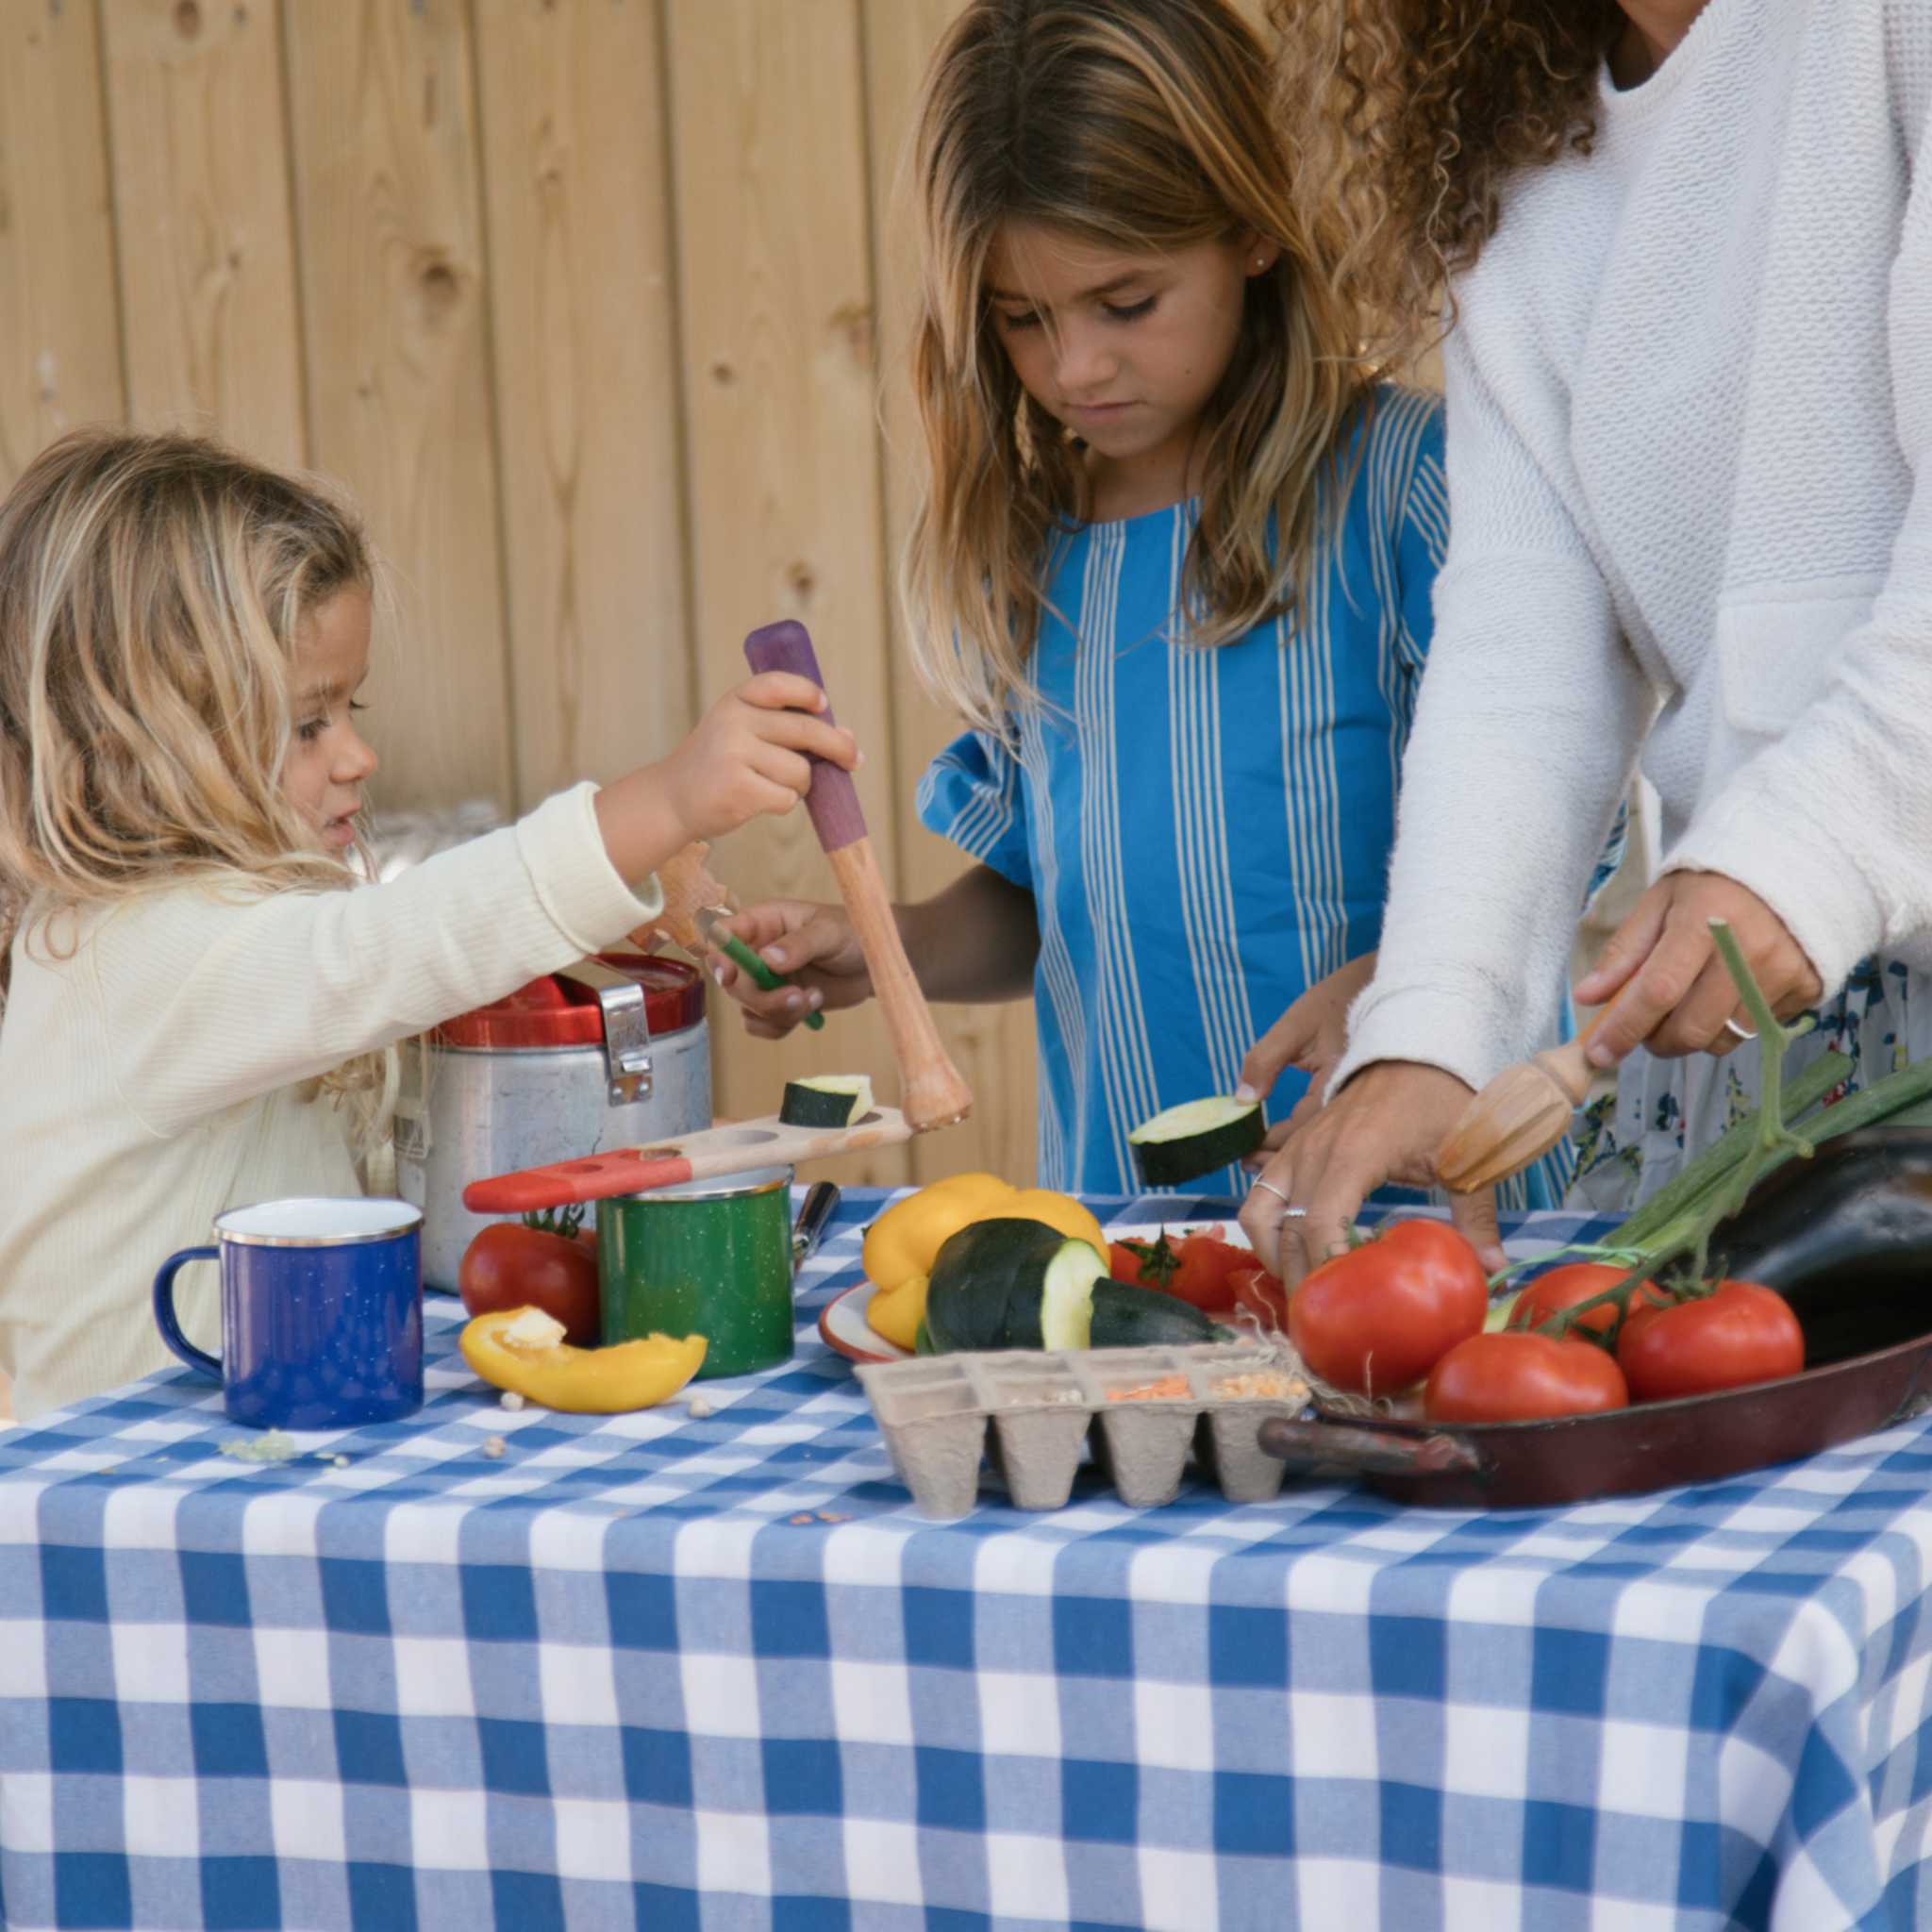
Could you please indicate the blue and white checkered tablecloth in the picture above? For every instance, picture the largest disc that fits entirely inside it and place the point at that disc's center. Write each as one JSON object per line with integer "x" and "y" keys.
{"x": 675, "y": 1672}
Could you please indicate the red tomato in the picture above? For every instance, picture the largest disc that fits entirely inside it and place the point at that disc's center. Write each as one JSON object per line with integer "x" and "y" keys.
{"x": 1508, "y": 1377}
{"x": 1206, "y": 1270}
{"x": 1147, "y": 1264}
{"x": 1740, "y": 1332}
{"x": 1263, "y": 1296}
{"x": 1381, "y": 1316}
{"x": 1563, "y": 1288}
{"x": 511, "y": 1266}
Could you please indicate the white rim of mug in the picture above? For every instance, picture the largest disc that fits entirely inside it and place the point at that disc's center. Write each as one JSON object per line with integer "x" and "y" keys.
{"x": 400, "y": 1216}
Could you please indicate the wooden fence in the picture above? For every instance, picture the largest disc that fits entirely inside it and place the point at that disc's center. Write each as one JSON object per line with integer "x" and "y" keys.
{"x": 588, "y": 302}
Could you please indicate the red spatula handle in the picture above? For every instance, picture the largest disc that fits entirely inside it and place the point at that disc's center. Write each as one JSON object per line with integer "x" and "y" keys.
{"x": 596, "y": 1177}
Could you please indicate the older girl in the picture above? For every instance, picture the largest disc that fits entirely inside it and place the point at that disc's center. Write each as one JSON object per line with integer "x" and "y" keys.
{"x": 1173, "y": 566}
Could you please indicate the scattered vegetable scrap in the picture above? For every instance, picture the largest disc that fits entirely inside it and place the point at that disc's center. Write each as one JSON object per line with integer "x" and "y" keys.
{"x": 1266, "y": 1385}
{"x": 1162, "y": 1389}
{"x": 492, "y": 1446}
{"x": 271, "y": 1446}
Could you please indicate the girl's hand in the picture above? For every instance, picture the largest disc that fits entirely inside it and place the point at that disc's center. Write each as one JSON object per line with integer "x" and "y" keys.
{"x": 1671, "y": 990}
{"x": 814, "y": 945}
{"x": 1311, "y": 1036}
{"x": 748, "y": 755}
{"x": 1384, "y": 1125}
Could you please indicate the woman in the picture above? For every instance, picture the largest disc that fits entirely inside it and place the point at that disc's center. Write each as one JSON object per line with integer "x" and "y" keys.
{"x": 1689, "y": 389}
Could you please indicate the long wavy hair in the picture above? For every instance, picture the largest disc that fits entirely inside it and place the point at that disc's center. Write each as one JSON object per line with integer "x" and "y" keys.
{"x": 1137, "y": 125}
{"x": 1404, "y": 118}
{"x": 152, "y": 590}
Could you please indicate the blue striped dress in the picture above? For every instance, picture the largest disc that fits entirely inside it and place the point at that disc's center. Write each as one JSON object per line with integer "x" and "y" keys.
{"x": 1206, "y": 831}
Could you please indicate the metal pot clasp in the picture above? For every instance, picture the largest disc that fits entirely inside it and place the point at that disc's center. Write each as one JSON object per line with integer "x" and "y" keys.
{"x": 626, "y": 1028}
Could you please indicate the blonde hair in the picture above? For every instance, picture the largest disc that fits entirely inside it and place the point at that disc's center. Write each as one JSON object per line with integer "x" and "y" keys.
{"x": 1404, "y": 119}
{"x": 152, "y": 588}
{"x": 1139, "y": 125}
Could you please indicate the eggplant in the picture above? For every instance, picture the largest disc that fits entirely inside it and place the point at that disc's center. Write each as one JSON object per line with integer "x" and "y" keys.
{"x": 1846, "y": 1238}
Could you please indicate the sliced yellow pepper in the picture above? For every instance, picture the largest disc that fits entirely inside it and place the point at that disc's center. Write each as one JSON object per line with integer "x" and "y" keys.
{"x": 896, "y": 1312}
{"x": 582, "y": 1381}
{"x": 904, "y": 1239}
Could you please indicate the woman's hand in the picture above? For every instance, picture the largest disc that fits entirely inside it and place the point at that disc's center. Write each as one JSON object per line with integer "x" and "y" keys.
{"x": 1385, "y": 1125}
{"x": 1310, "y": 1035}
{"x": 1670, "y": 990}
{"x": 814, "y": 945}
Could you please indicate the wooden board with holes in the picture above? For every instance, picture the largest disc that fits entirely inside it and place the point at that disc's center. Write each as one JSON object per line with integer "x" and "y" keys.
{"x": 742, "y": 1147}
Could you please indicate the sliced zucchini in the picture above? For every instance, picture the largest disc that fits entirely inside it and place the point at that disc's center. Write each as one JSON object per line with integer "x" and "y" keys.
{"x": 1010, "y": 1283}
{"x": 827, "y": 1099}
{"x": 1183, "y": 1143}
{"x": 1124, "y": 1316}
{"x": 1066, "y": 1299}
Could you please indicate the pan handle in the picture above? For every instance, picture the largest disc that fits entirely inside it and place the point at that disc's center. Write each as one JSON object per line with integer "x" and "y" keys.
{"x": 1308, "y": 1445}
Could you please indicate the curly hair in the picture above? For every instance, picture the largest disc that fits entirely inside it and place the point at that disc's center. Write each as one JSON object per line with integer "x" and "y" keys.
{"x": 1404, "y": 119}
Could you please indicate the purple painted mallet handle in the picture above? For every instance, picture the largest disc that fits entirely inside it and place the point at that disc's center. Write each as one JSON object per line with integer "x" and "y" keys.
{"x": 833, "y": 800}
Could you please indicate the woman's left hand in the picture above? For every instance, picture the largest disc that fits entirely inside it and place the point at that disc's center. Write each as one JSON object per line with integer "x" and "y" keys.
{"x": 1310, "y": 1035}
{"x": 1671, "y": 990}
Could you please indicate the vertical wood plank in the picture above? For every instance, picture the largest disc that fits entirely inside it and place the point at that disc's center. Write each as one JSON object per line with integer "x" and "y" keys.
{"x": 995, "y": 1047}
{"x": 389, "y": 246}
{"x": 201, "y": 190}
{"x": 60, "y": 313}
{"x": 584, "y": 325}
{"x": 774, "y": 284}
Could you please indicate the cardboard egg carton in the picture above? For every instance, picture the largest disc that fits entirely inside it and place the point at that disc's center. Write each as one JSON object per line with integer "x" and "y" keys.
{"x": 1144, "y": 1411}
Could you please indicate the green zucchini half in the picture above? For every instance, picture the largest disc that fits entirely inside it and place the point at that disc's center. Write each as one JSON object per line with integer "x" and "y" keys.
{"x": 1184, "y": 1142}
{"x": 1125, "y": 1316}
{"x": 1011, "y": 1283}
{"x": 827, "y": 1099}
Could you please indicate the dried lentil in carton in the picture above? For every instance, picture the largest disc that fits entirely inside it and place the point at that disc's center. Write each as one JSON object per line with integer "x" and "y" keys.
{"x": 1145, "y": 1412}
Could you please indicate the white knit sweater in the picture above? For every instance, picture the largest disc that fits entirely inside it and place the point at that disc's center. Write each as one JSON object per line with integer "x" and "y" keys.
{"x": 157, "y": 1067}
{"x": 1689, "y": 416}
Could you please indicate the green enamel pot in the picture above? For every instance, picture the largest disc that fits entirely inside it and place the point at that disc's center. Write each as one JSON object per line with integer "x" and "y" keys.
{"x": 710, "y": 1258}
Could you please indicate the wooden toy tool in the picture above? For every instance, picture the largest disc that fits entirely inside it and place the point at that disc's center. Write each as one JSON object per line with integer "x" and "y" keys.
{"x": 1518, "y": 1117}
{"x": 932, "y": 1093}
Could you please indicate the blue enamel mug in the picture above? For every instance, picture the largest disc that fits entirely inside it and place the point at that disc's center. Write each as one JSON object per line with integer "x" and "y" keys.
{"x": 322, "y": 1312}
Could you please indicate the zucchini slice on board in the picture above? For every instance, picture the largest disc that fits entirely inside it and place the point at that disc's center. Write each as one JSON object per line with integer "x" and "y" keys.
{"x": 827, "y": 1099}
{"x": 1184, "y": 1142}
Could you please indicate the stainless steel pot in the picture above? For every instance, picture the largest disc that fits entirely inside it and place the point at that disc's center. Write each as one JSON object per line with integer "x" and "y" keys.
{"x": 611, "y": 1053}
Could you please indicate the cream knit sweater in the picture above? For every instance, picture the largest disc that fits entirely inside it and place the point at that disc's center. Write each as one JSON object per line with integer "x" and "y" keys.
{"x": 1689, "y": 413}
{"x": 156, "y": 1067}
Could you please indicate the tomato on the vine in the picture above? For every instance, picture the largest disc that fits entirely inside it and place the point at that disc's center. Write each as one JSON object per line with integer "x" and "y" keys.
{"x": 1575, "y": 1281}
{"x": 1509, "y": 1376}
{"x": 1196, "y": 1266}
{"x": 512, "y": 1264}
{"x": 1381, "y": 1316}
{"x": 1739, "y": 1333}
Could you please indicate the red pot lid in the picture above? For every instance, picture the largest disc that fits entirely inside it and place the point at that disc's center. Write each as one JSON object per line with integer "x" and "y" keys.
{"x": 560, "y": 1012}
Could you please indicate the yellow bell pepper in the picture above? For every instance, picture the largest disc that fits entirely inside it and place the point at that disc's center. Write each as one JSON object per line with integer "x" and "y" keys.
{"x": 522, "y": 1349}
{"x": 896, "y": 1312}
{"x": 1058, "y": 1211}
{"x": 905, "y": 1239}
